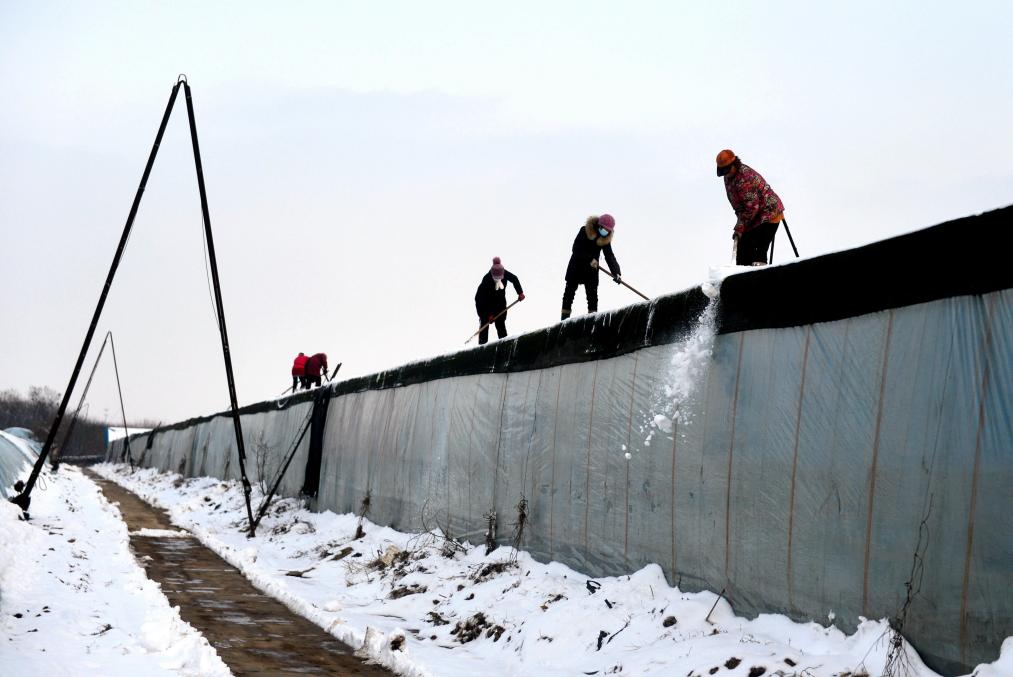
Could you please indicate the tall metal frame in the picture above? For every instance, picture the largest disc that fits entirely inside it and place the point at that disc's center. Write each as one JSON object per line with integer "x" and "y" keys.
{"x": 24, "y": 498}
{"x": 57, "y": 452}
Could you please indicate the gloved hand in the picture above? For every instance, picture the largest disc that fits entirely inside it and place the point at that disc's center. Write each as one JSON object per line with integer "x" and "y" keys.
{"x": 735, "y": 235}
{"x": 618, "y": 279}
{"x": 520, "y": 297}
{"x": 491, "y": 318}
{"x": 594, "y": 263}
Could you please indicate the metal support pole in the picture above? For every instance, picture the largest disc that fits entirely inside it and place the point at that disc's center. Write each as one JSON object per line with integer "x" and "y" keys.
{"x": 123, "y": 411}
{"x": 219, "y": 307}
{"x": 24, "y": 499}
{"x": 58, "y": 450}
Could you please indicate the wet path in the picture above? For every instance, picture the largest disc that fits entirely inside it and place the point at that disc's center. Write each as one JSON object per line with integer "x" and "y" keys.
{"x": 253, "y": 633}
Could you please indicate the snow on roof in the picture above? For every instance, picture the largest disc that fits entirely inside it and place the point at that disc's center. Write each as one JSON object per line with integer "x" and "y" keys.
{"x": 114, "y": 433}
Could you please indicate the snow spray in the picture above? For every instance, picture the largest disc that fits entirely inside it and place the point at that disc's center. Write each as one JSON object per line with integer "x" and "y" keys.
{"x": 687, "y": 367}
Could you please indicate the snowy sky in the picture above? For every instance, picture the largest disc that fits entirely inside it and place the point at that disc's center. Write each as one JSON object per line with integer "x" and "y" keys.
{"x": 364, "y": 162}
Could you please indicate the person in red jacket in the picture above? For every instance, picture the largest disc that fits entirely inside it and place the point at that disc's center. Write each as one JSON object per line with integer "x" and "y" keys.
{"x": 313, "y": 366}
{"x": 758, "y": 209}
{"x": 299, "y": 372}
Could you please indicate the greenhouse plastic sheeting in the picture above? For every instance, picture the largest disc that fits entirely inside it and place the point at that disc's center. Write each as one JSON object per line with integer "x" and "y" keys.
{"x": 208, "y": 448}
{"x": 797, "y": 480}
{"x": 810, "y": 464}
{"x": 16, "y": 456}
{"x": 797, "y": 477}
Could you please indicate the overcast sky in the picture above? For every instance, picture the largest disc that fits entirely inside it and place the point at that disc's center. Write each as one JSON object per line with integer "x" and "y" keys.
{"x": 365, "y": 161}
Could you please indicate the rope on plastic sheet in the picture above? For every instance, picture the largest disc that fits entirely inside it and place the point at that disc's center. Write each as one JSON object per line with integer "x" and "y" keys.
{"x": 522, "y": 518}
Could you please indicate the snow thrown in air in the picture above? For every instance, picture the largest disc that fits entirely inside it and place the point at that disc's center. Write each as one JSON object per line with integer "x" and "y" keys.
{"x": 687, "y": 367}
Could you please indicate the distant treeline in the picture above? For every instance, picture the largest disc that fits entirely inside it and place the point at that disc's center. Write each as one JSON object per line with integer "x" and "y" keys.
{"x": 36, "y": 412}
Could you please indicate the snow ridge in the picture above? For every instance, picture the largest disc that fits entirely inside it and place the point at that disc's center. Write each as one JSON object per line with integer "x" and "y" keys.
{"x": 422, "y": 604}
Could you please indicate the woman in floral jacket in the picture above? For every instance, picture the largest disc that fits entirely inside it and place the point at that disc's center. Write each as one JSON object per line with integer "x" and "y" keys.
{"x": 758, "y": 209}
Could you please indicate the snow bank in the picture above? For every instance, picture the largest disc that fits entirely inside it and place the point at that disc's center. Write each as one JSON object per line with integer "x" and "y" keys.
{"x": 73, "y": 601}
{"x": 425, "y": 605}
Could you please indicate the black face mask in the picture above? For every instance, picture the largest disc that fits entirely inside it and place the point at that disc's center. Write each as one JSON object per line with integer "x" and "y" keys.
{"x": 722, "y": 171}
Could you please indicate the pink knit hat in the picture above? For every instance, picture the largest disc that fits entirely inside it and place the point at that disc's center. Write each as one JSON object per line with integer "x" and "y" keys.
{"x": 607, "y": 222}
{"x": 497, "y": 269}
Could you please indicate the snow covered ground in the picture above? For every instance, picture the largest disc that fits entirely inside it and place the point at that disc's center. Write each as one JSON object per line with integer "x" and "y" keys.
{"x": 73, "y": 601}
{"x": 423, "y": 605}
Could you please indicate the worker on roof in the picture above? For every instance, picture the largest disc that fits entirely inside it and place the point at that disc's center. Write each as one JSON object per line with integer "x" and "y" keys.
{"x": 314, "y": 365}
{"x": 490, "y": 299}
{"x": 758, "y": 209}
{"x": 299, "y": 372}
{"x": 593, "y": 240}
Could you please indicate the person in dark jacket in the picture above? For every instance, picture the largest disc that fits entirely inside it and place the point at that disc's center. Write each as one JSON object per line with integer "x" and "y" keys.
{"x": 313, "y": 366}
{"x": 594, "y": 239}
{"x": 299, "y": 372}
{"x": 490, "y": 299}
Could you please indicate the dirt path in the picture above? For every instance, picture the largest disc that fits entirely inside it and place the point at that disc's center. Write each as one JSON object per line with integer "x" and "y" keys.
{"x": 253, "y": 633}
